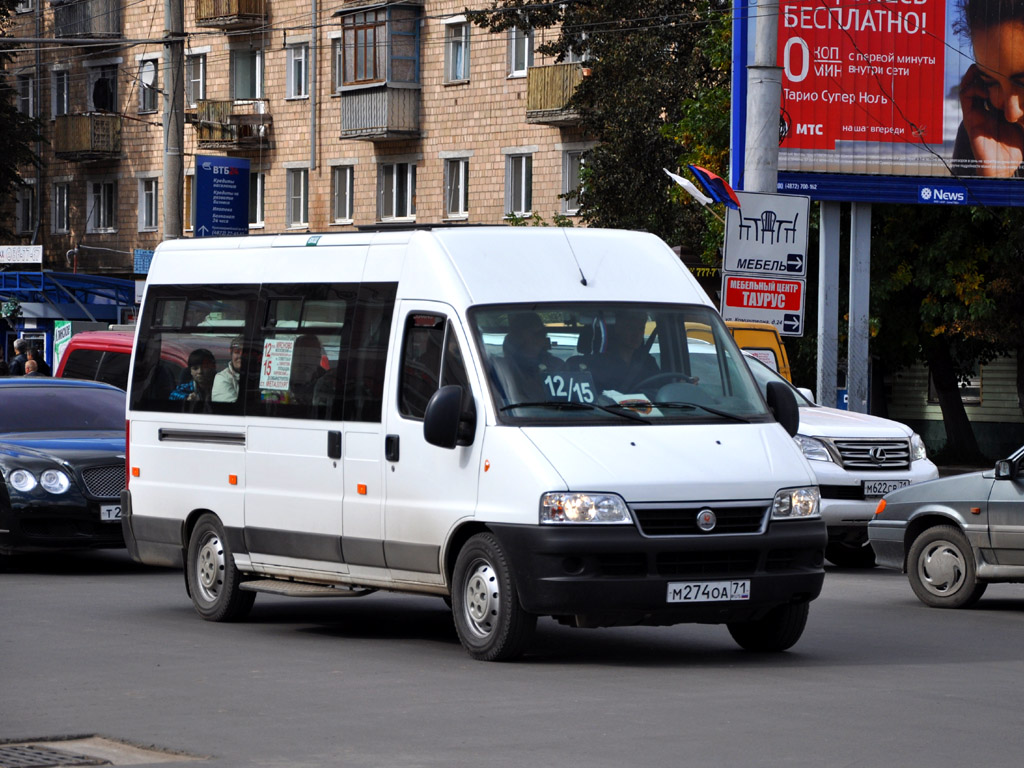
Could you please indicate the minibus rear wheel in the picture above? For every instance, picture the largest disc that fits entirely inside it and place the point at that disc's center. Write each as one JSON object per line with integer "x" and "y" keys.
{"x": 490, "y": 622}
{"x": 213, "y": 579}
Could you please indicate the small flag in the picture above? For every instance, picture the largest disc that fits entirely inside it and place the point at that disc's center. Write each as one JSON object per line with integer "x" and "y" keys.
{"x": 686, "y": 184}
{"x": 717, "y": 187}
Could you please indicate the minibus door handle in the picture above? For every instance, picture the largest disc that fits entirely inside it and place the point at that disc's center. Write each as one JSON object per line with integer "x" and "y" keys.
{"x": 391, "y": 447}
{"x": 334, "y": 444}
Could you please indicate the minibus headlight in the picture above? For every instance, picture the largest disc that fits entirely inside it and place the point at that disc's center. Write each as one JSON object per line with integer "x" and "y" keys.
{"x": 22, "y": 480}
{"x": 791, "y": 503}
{"x": 917, "y": 450}
{"x": 813, "y": 449}
{"x": 604, "y": 508}
{"x": 54, "y": 481}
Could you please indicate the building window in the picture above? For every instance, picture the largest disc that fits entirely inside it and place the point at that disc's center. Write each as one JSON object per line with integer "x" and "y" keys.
{"x": 456, "y": 52}
{"x": 26, "y": 85}
{"x": 520, "y": 52}
{"x": 149, "y": 216}
{"x": 247, "y": 74}
{"x": 380, "y": 45}
{"x": 257, "y": 187}
{"x": 337, "y": 64}
{"x": 102, "y": 206}
{"x": 25, "y": 209}
{"x": 61, "y": 209}
{"x": 518, "y": 185}
{"x": 195, "y": 79}
{"x": 341, "y": 193}
{"x": 149, "y": 86}
{"x": 25, "y": 6}
{"x": 298, "y": 197}
{"x": 397, "y": 199}
{"x": 61, "y": 95}
{"x": 572, "y": 163}
{"x": 456, "y": 188}
{"x": 297, "y": 86}
{"x": 103, "y": 88}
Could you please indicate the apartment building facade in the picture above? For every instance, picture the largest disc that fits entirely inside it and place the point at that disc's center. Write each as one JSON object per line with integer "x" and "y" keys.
{"x": 350, "y": 113}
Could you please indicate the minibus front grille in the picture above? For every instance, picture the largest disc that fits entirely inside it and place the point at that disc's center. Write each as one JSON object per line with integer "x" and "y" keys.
{"x": 104, "y": 482}
{"x": 731, "y": 563}
{"x": 682, "y": 521}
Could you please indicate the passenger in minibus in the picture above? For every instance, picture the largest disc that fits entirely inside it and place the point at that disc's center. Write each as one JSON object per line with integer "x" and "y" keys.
{"x": 225, "y": 384}
{"x": 527, "y": 359}
{"x": 625, "y": 362}
{"x": 307, "y": 356}
{"x": 202, "y": 366}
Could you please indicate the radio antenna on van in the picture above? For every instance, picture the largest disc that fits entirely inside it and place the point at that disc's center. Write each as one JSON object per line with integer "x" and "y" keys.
{"x": 583, "y": 278}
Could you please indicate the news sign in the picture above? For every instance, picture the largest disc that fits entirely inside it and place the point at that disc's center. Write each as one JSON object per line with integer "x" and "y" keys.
{"x": 762, "y": 299}
{"x": 882, "y": 102}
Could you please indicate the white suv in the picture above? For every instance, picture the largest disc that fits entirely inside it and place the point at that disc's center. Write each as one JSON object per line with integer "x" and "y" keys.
{"x": 857, "y": 459}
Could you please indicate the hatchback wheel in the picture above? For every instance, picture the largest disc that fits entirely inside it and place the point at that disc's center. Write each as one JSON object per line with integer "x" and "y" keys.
{"x": 942, "y": 570}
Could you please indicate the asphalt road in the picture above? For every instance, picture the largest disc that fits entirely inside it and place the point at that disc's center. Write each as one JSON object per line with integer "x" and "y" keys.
{"x": 94, "y": 644}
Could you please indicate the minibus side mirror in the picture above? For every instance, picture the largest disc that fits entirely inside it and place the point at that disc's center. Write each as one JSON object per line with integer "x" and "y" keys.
{"x": 783, "y": 405}
{"x": 443, "y": 424}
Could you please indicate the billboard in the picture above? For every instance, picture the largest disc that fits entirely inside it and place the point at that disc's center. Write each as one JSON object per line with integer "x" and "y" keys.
{"x": 897, "y": 101}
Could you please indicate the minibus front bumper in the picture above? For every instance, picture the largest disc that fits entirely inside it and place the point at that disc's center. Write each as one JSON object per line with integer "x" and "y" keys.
{"x": 614, "y": 575}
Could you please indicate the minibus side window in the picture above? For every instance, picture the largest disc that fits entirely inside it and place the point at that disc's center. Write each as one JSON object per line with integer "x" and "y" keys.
{"x": 368, "y": 354}
{"x": 453, "y": 371}
{"x": 422, "y": 343}
{"x": 302, "y": 351}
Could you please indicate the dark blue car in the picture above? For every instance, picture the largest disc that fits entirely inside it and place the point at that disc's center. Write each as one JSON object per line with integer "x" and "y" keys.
{"x": 62, "y": 464}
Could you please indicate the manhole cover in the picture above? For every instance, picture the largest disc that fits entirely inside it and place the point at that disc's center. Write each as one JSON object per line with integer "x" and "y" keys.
{"x": 34, "y": 756}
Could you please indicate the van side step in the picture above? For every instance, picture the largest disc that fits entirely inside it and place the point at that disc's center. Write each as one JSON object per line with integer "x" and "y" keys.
{"x": 296, "y": 589}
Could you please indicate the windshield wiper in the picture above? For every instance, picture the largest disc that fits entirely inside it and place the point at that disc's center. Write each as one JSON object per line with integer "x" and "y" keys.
{"x": 694, "y": 406}
{"x": 564, "y": 405}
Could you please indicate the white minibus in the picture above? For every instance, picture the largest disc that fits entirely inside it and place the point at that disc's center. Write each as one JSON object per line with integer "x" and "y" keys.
{"x": 527, "y": 422}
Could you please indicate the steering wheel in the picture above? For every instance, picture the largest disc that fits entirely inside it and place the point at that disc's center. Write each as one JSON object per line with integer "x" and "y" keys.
{"x": 665, "y": 377}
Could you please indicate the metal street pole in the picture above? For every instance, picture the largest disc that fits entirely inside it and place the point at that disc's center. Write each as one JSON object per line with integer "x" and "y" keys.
{"x": 764, "y": 90}
{"x": 174, "y": 117}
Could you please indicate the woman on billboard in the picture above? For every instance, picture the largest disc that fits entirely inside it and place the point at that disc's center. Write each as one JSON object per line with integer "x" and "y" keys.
{"x": 990, "y": 141}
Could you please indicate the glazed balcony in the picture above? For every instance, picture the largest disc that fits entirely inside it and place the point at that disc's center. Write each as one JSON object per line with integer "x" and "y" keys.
{"x": 548, "y": 90}
{"x": 87, "y": 137}
{"x": 233, "y": 125}
{"x": 87, "y": 18}
{"x": 380, "y": 113}
{"x": 231, "y": 14}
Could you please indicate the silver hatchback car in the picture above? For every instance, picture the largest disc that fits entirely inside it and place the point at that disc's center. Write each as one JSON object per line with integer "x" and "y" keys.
{"x": 955, "y": 536}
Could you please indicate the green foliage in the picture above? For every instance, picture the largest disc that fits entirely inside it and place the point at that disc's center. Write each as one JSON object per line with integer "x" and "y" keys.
{"x": 649, "y": 61}
{"x": 19, "y": 131}
{"x": 536, "y": 220}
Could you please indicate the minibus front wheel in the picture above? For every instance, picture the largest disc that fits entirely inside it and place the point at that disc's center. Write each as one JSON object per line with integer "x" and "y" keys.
{"x": 213, "y": 579}
{"x": 489, "y": 619}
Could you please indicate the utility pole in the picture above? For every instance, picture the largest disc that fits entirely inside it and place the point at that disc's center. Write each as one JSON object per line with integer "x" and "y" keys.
{"x": 764, "y": 90}
{"x": 174, "y": 117}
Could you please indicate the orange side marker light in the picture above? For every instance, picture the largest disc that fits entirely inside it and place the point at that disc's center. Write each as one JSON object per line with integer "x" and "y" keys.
{"x": 232, "y": 479}
{"x": 975, "y": 510}
{"x": 135, "y": 471}
{"x": 361, "y": 489}
{"x": 487, "y": 465}
{"x": 880, "y": 508}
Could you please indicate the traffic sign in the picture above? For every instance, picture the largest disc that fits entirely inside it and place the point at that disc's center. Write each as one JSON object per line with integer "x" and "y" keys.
{"x": 765, "y": 299}
{"x": 222, "y": 196}
{"x": 768, "y": 235}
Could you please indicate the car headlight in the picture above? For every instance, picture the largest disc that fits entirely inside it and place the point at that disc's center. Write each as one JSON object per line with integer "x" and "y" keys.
{"x": 917, "y": 450}
{"x": 606, "y": 508}
{"x": 791, "y": 503}
{"x": 54, "y": 481}
{"x": 813, "y": 449}
{"x": 22, "y": 480}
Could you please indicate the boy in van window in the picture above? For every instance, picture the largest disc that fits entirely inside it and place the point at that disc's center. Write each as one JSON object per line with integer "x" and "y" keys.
{"x": 225, "y": 384}
{"x": 203, "y": 367}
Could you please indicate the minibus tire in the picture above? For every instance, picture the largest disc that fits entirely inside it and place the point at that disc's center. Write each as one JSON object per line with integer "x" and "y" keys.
{"x": 213, "y": 579}
{"x": 489, "y": 619}
{"x": 777, "y": 631}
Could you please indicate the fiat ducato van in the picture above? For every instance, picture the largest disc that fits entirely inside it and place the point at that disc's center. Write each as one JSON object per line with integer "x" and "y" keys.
{"x": 525, "y": 422}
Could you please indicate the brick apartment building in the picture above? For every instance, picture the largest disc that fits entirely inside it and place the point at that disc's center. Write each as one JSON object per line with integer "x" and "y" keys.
{"x": 350, "y": 113}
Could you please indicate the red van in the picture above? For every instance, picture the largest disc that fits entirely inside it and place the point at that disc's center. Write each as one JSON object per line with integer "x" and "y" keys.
{"x": 98, "y": 356}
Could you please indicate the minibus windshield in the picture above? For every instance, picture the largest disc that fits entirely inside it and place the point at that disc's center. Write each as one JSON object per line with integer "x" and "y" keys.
{"x": 613, "y": 363}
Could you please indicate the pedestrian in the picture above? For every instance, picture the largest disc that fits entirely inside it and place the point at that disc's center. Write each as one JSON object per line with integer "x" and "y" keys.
{"x": 36, "y": 355}
{"x": 17, "y": 366}
{"x": 32, "y": 368}
{"x": 5, "y": 369}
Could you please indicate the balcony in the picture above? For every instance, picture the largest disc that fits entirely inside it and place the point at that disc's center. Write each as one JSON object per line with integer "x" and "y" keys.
{"x": 87, "y": 137}
{"x": 380, "y": 113}
{"x": 233, "y": 125}
{"x": 87, "y": 18}
{"x": 548, "y": 90}
{"x": 231, "y": 14}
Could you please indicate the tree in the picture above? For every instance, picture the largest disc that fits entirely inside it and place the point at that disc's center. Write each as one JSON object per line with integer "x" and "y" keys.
{"x": 947, "y": 298}
{"x": 20, "y": 131}
{"x": 649, "y": 62}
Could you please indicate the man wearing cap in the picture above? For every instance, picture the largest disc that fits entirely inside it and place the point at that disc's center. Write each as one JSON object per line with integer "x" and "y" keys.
{"x": 225, "y": 383}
